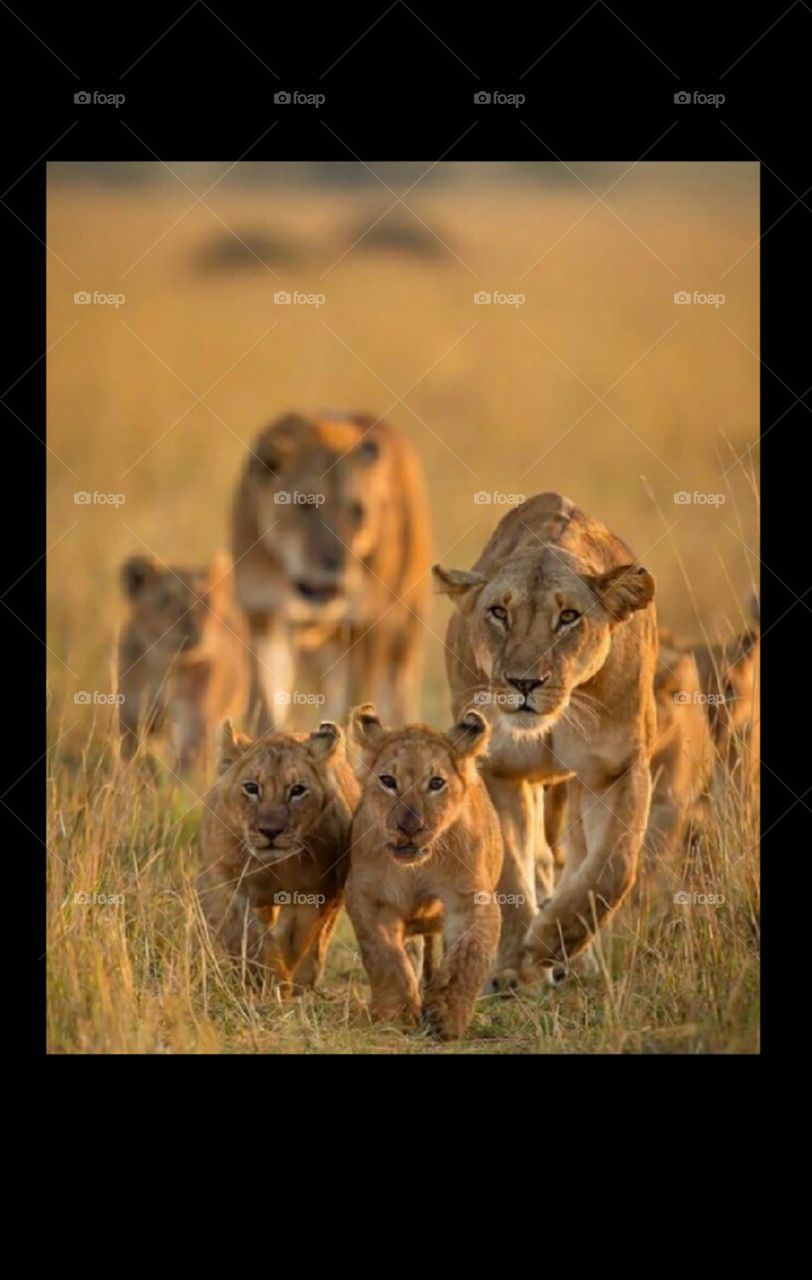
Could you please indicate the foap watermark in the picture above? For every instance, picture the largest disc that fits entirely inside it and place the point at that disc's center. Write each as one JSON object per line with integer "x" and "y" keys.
{"x": 296, "y": 899}
{"x": 495, "y": 98}
{"x": 94, "y": 698}
{"x": 284, "y": 498}
{"x": 284, "y": 299}
{"x": 685, "y": 98}
{"x": 84, "y": 98}
{"x": 481, "y": 899}
{"x": 683, "y": 696}
{"x": 96, "y": 299}
{"x": 295, "y": 98}
{"x": 682, "y": 298}
{"x": 98, "y": 899}
{"x": 496, "y": 299}
{"x": 493, "y": 498}
{"x": 493, "y": 698}
{"x": 685, "y": 899}
{"x": 684, "y": 499}
{"x": 96, "y": 499}
{"x": 297, "y": 699}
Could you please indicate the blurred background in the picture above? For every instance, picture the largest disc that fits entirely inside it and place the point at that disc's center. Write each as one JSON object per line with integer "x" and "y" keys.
{"x": 591, "y": 380}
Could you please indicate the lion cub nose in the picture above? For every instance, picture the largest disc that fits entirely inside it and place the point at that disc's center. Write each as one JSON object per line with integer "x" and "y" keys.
{"x": 270, "y": 833}
{"x": 527, "y": 686}
{"x": 409, "y": 823}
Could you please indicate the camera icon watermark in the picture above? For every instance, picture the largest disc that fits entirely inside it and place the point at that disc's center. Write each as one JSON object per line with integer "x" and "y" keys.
{"x": 484, "y": 498}
{"x": 498, "y": 99}
{"x": 684, "y": 499}
{"x": 286, "y": 498}
{"x": 283, "y": 298}
{"x": 495, "y": 698}
{"x": 84, "y": 99}
{"x": 94, "y": 698}
{"x": 85, "y": 499}
{"x": 284, "y": 98}
{"x": 482, "y": 899}
{"x": 684, "y": 98}
{"x": 482, "y": 298}
{"x": 85, "y": 299}
{"x": 297, "y": 699}
{"x": 296, "y": 899}
{"x": 682, "y": 898}
{"x": 682, "y": 298}
{"x": 98, "y": 899}
{"x": 683, "y": 697}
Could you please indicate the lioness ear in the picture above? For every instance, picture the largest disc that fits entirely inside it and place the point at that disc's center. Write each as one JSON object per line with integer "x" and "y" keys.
{"x": 470, "y": 736}
{"x": 272, "y": 449}
{"x": 326, "y": 740}
{"x": 624, "y": 590}
{"x": 369, "y": 450}
{"x": 455, "y": 583}
{"x": 232, "y": 745}
{"x": 367, "y": 730}
{"x": 136, "y": 573}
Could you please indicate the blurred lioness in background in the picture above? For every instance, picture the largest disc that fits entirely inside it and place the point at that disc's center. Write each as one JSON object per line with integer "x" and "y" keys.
{"x": 331, "y": 544}
{"x": 182, "y": 657}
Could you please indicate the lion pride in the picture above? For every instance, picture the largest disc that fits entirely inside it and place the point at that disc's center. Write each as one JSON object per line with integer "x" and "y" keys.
{"x": 554, "y": 638}
{"x": 331, "y": 543}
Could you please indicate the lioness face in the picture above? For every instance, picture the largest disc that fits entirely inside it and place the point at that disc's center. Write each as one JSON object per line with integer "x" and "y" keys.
{"x": 169, "y": 606}
{"x": 540, "y": 627}
{"x": 415, "y": 780}
{"x": 275, "y": 790}
{"x": 319, "y": 491}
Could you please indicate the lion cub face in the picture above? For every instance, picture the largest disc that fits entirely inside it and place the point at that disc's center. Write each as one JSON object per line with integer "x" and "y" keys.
{"x": 273, "y": 791}
{"x": 415, "y": 780}
{"x": 319, "y": 487}
{"x": 169, "y": 606}
{"x": 539, "y": 627}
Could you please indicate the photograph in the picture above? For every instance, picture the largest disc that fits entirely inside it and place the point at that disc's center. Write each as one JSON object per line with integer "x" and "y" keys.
{"x": 403, "y": 607}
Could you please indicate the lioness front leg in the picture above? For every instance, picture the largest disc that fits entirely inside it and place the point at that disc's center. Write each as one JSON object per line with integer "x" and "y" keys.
{"x": 273, "y": 669}
{"x": 514, "y": 802}
{"x": 471, "y": 936}
{"x": 309, "y": 964}
{"x": 381, "y": 937}
{"x": 614, "y": 818}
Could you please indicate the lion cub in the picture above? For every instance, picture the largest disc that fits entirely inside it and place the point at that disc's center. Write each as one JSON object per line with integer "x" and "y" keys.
{"x": 426, "y": 858}
{"x": 275, "y": 837}
{"x": 183, "y": 658}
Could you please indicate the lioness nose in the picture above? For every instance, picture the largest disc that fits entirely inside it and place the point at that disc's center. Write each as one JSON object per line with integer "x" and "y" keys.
{"x": 527, "y": 686}
{"x": 408, "y": 822}
{"x": 270, "y": 833}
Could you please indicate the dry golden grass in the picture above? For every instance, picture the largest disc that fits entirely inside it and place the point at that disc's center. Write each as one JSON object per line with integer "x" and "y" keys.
{"x": 496, "y": 399}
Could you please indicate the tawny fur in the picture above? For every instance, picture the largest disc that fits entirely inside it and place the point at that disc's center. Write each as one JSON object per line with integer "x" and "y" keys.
{"x": 335, "y": 578}
{"x": 274, "y": 903}
{"x": 183, "y": 656}
{"x": 424, "y": 862}
{"x": 593, "y": 715}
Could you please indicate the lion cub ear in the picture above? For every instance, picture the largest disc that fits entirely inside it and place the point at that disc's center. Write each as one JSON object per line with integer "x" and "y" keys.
{"x": 624, "y": 590}
{"x": 455, "y": 583}
{"x": 326, "y": 740}
{"x": 232, "y": 745}
{"x": 136, "y": 572}
{"x": 470, "y": 736}
{"x": 366, "y": 729}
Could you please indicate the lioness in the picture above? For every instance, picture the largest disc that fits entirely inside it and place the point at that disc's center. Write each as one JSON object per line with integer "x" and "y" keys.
{"x": 182, "y": 655}
{"x": 426, "y": 857}
{"x": 331, "y": 539}
{"x": 554, "y": 637}
{"x": 729, "y": 675}
{"x": 275, "y": 837}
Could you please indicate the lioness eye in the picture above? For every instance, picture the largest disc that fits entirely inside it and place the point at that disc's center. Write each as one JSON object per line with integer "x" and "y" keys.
{"x": 388, "y": 781}
{"x": 436, "y": 784}
{"x": 297, "y": 790}
{"x": 496, "y": 611}
{"x": 568, "y": 615}
{"x": 251, "y": 788}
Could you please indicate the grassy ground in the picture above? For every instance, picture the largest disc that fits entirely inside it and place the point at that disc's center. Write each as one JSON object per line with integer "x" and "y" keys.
{"x": 154, "y": 400}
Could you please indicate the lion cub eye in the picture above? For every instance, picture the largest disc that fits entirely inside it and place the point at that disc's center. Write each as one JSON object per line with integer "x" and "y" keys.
{"x": 566, "y": 616}
{"x": 386, "y": 780}
{"x": 436, "y": 783}
{"x": 496, "y": 611}
{"x": 297, "y": 790}
{"x": 251, "y": 788}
